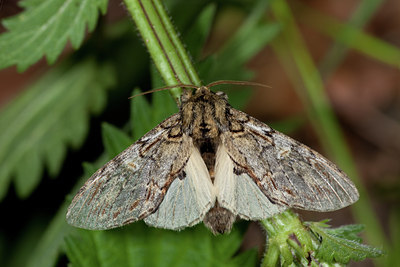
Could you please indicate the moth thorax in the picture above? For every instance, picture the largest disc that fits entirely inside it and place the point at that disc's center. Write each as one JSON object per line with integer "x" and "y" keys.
{"x": 219, "y": 220}
{"x": 204, "y": 124}
{"x": 207, "y": 148}
{"x": 205, "y": 130}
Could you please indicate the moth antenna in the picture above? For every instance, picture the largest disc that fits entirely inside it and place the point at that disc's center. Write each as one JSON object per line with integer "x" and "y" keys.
{"x": 165, "y": 88}
{"x": 237, "y": 83}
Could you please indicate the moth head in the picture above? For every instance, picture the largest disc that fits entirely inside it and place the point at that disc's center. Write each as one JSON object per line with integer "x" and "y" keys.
{"x": 203, "y": 94}
{"x": 186, "y": 95}
{"x": 222, "y": 95}
{"x": 189, "y": 95}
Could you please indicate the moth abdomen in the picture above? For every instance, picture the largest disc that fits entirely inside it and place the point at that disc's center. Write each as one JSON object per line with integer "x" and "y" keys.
{"x": 219, "y": 220}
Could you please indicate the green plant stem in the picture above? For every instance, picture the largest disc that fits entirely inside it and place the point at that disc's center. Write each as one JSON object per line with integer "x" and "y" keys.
{"x": 310, "y": 87}
{"x": 280, "y": 245}
{"x": 163, "y": 43}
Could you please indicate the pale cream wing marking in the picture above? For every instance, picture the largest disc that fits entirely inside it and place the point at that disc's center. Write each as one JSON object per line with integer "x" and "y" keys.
{"x": 188, "y": 199}
{"x": 225, "y": 183}
{"x": 238, "y": 193}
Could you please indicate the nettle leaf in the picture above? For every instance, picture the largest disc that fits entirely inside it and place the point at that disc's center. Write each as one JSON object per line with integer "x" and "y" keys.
{"x": 140, "y": 110}
{"x": 114, "y": 140}
{"x": 39, "y": 124}
{"x": 350, "y": 231}
{"x": 139, "y": 245}
{"x": 145, "y": 115}
{"x": 342, "y": 244}
{"x": 44, "y": 28}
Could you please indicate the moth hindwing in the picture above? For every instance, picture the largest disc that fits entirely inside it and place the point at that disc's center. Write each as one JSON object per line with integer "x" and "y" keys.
{"x": 210, "y": 163}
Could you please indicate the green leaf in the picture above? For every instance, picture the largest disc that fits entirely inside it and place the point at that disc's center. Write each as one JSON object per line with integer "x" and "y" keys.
{"x": 341, "y": 245}
{"x": 348, "y": 231}
{"x": 145, "y": 116}
{"x": 246, "y": 258}
{"x": 252, "y": 36}
{"x": 394, "y": 250}
{"x": 140, "y": 110}
{"x": 139, "y": 245}
{"x": 114, "y": 140}
{"x": 51, "y": 243}
{"x": 291, "y": 241}
{"x": 47, "y": 248}
{"x": 44, "y": 28}
{"x": 199, "y": 31}
{"x": 39, "y": 124}
{"x": 163, "y": 105}
{"x": 24, "y": 240}
{"x": 289, "y": 124}
{"x": 88, "y": 169}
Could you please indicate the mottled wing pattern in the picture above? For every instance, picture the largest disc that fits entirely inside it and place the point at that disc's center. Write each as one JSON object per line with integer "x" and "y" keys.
{"x": 237, "y": 192}
{"x": 287, "y": 172}
{"x": 188, "y": 199}
{"x": 132, "y": 185}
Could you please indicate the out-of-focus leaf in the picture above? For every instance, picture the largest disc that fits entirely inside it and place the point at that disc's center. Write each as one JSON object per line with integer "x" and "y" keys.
{"x": 48, "y": 247}
{"x": 24, "y": 240}
{"x": 39, "y": 124}
{"x": 392, "y": 255}
{"x": 197, "y": 35}
{"x": 51, "y": 243}
{"x": 253, "y": 35}
{"x": 288, "y": 125}
{"x": 139, "y": 245}
{"x": 140, "y": 113}
{"x": 164, "y": 100}
{"x": 114, "y": 140}
{"x": 229, "y": 62}
{"x": 44, "y": 27}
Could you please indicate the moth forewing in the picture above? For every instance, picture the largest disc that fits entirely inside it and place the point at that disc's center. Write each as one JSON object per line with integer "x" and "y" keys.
{"x": 131, "y": 186}
{"x": 288, "y": 172}
{"x": 318, "y": 184}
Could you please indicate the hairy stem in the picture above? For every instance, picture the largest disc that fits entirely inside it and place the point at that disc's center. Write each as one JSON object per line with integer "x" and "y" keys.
{"x": 163, "y": 43}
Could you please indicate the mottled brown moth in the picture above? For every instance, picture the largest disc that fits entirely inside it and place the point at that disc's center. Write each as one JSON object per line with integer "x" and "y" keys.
{"x": 211, "y": 163}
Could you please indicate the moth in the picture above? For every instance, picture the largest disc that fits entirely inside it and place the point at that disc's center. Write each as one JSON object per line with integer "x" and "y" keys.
{"x": 209, "y": 162}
